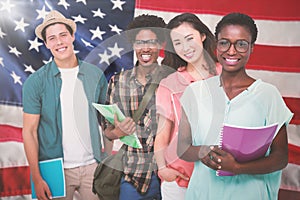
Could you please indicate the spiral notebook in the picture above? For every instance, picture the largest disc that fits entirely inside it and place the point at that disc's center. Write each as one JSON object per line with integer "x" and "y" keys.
{"x": 245, "y": 143}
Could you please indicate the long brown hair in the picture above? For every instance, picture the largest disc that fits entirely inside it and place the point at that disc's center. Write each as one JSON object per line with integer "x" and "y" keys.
{"x": 171, "y": 59}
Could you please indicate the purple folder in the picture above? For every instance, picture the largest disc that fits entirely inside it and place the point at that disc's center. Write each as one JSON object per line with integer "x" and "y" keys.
{"x": 245, "y": 143}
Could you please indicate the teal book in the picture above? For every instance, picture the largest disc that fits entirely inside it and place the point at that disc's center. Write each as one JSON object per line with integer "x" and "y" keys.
{"x": 109, "y": 111}
{"x": 52, "y": 172}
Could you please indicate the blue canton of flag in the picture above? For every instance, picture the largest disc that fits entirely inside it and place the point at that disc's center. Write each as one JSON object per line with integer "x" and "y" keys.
{"x": 98, "y": 38}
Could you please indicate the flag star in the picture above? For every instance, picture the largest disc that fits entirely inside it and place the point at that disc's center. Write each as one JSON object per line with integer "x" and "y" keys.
{"x": 21, "y": 25}
{"x": 34, "y": 44}
{"x": 17, "y": 79}
{"x": 76, "y": 51}
{"x": 42, "y": 13}
{"x": 115, "y": 51}
{"x": 115, "y": 29}
{"x": 79, "y": 19}
{"x": 14, "y": 51}
{"x": 28, "y": 68}
{"x": 87, "y": 44}
{"x": 97, "y": 33}
{"x": 6, "y": 6}
{"x": 104, "y": 58}
{"x": 1, "y": 62}
{"x": 98, "y": 13}
{"x": 117, "y": 4}
{"x": 83, "y": 1}
{"x": 47, "y": 61}
{"x": 2, "y": 33}
{"x": 64, "y": 3}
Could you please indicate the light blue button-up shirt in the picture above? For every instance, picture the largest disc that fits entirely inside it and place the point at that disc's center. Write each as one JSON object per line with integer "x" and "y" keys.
{"x": 207, "y": 107}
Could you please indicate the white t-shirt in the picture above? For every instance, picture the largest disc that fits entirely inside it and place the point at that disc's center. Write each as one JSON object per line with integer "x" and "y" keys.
{"x": 76, "y": 140}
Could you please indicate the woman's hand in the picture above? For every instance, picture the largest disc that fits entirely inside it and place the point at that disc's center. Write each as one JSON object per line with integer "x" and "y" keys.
{"x": 169, "y": 174}
{"x": 218, "y": 159}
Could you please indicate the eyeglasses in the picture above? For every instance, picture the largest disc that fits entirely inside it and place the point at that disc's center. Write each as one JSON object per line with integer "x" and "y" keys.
{"x": 142, "y": 43}
{"x": 240, "y": 46}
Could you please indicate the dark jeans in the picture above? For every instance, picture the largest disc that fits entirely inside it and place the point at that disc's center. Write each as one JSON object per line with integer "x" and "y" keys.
{"x": 129, "y": 192}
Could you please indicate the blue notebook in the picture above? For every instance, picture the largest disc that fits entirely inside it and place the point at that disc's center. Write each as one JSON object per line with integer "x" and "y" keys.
{"x": 52, "y": 172}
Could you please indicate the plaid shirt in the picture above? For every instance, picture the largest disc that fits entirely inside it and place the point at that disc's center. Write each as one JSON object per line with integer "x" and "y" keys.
{"x": 125, "y": 91}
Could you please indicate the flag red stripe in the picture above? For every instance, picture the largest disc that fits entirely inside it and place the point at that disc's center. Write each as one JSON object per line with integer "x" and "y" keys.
{"x": 10, "y": 133}
{"x": 288, "y": 195}
{"x": 293, "y": 104}
{"x": 279, "y": 10}
{"x": 275, "y": 58}
{"x": 14, "y": 181}
{"x": 294, "y": 154}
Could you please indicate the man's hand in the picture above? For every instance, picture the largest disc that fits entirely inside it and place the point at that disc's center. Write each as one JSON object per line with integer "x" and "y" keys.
{"x": 42, "y": 190}
{"x": 126, "y": 127}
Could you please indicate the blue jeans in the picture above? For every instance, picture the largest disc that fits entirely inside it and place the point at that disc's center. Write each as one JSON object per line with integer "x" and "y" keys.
{"x": 129, "y": 192}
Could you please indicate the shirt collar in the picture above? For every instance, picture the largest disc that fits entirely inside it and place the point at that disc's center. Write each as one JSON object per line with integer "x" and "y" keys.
{"x": 184, "y": 77}
{"x": 55, "y": 71}
{"x": 149, "y": 76}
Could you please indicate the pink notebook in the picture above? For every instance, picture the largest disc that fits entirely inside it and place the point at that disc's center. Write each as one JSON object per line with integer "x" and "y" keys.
{"x": 245, "y": 143}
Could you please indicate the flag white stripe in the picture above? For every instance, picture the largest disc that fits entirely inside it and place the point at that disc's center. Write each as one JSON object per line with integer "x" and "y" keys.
{"x": 22, "y": 197}
{"x": 13, "y": 115}
{"x": 287, "y": 83}
{"x": 290, "y": 177}
{"x": 270, "y": 32}
{"x": 293, "y": 135}
{"x": 275, "y": 33}
{"x": 12, "y": 154}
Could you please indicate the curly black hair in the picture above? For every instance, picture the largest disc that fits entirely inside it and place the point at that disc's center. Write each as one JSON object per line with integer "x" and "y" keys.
{"x": 241, "y": 19}
{"x": 149, "y": 22}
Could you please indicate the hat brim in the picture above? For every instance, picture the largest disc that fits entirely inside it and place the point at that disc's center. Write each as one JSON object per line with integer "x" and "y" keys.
{"x": 40, "y": 28}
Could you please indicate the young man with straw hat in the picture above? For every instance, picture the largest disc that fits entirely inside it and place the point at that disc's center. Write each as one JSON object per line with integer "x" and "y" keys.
{"x": 59, "y": 120}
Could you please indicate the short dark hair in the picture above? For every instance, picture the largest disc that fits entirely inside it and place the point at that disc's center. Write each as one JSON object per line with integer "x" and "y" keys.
{"x": 209, "y": 44}
{"x": 146, "y": 22}
{"x": 43, "y": 33}
{"x": 241, "y": 19}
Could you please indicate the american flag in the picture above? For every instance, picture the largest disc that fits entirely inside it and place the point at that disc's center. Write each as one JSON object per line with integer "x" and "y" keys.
{"x": 276, "y": 59}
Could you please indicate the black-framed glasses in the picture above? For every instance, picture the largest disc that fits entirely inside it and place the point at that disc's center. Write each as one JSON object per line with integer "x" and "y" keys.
{"x": 142, "y": 43}
{"x": 240, "y": 46}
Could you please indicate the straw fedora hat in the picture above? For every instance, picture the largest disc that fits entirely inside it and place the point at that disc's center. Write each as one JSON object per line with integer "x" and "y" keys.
{"x": 54, "y": 17}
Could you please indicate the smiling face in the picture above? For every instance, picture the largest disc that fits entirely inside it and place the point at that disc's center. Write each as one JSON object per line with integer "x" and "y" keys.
{"x": 146, "y": 48}
{"x": 60, "y": 42}
{"x": 232, "y": 60}
{"x": 188, "y": 43}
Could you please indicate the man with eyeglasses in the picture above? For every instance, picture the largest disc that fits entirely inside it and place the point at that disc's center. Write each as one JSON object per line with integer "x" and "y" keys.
{"x": 139, "y": 44}
{"x": 126, "y": 89}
